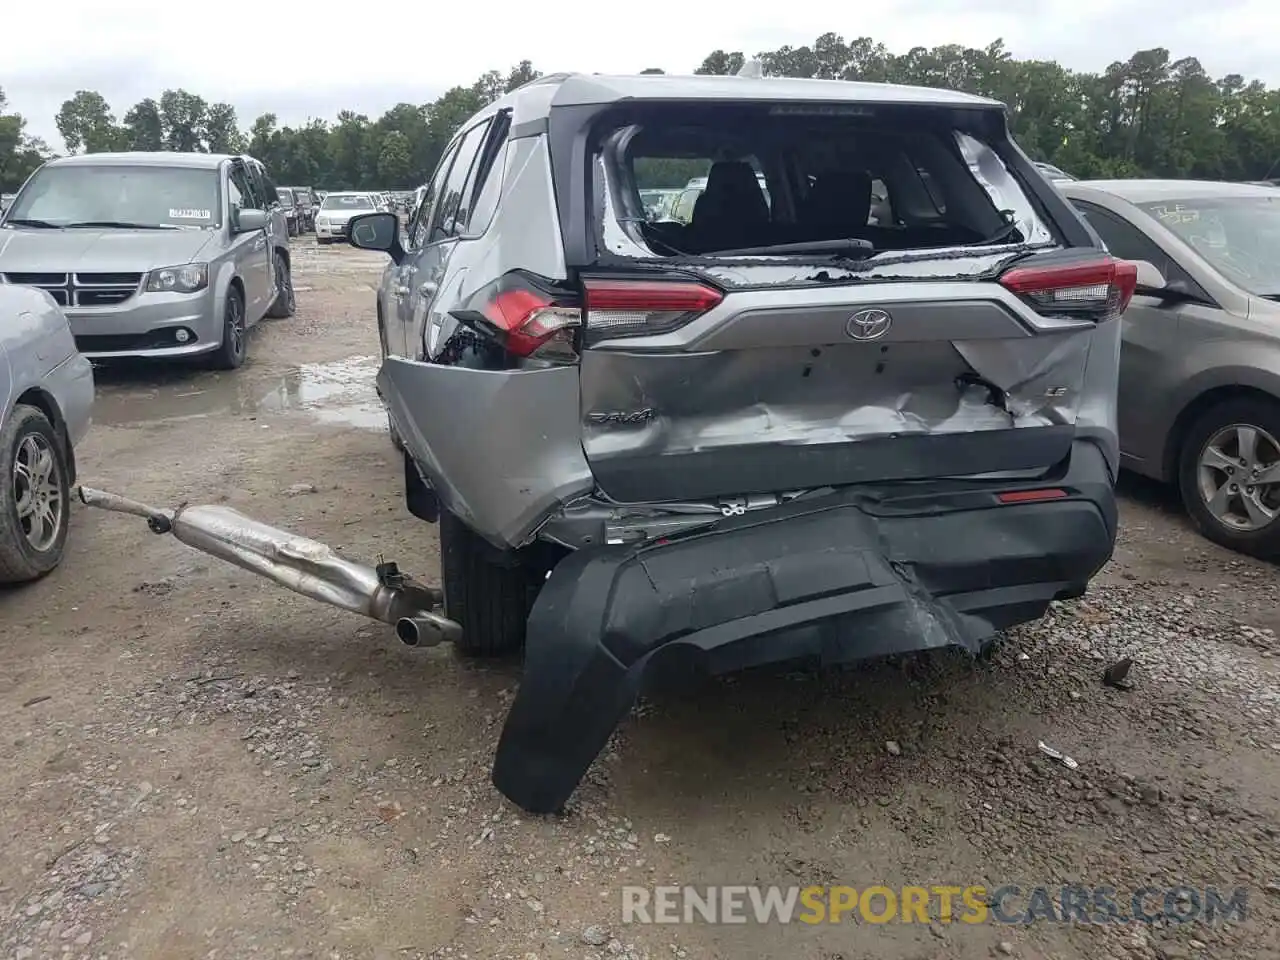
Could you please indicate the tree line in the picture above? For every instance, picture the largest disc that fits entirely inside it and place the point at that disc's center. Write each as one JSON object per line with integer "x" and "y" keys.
{"x": 1150, "y": 115}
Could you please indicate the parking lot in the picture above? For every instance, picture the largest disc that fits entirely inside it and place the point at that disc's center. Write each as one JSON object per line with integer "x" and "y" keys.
{"x": 198, "y": 764}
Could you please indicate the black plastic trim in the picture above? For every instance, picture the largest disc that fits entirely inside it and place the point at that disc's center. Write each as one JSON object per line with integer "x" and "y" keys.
{"x": 825, "y": 579}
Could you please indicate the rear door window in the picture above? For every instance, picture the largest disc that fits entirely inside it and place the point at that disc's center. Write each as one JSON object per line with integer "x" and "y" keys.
{"x": 444, "y": 221}
{"x": 486, "y": 180}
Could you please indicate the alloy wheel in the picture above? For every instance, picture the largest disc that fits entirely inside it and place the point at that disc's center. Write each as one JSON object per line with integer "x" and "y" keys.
{"x": 37, "y": 489}
{"x": 1238, "y": 476}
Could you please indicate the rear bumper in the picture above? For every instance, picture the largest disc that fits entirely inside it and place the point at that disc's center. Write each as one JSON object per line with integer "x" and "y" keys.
{"x": 837, "y": 579}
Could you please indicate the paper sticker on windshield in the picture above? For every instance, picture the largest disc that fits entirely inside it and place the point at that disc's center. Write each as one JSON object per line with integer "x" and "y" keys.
{"x": 1177, "y": 214}
{"x": 190, "y": 214}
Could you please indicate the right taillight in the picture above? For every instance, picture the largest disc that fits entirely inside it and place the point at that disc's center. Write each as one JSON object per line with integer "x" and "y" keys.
{"x": 1099, "y": 287}
{"x": 643, "y": 307}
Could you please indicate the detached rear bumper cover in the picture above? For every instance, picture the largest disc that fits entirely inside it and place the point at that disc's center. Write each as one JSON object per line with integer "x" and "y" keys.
{"x": 840, "y": 579}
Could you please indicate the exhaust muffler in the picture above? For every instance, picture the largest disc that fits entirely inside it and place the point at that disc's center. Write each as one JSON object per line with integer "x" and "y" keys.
{"x": 299, "y": 564}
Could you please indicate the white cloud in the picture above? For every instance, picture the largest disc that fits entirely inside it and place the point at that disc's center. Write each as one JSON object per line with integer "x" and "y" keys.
{"x": 312, "y": 59}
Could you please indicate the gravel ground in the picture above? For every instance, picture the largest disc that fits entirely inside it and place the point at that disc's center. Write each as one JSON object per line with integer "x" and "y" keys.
{"x": 196, "y": 764}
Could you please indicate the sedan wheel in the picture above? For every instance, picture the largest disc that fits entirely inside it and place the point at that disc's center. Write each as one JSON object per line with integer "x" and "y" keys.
{"x": 1230, "y": 475}
{"x": 34, "y": 496}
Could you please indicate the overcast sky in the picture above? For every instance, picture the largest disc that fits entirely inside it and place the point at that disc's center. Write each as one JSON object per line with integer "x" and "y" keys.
{"x": 301, "y": 60}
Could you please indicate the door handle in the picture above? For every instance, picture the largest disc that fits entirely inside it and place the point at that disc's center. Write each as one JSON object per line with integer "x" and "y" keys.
{"x": 401, "y": 292}
{"x": 259, "y": 243}
{"x": 429, "y": 289}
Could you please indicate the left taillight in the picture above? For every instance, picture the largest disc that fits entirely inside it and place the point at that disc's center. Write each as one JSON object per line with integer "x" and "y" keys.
{"x": 529, "y": 317}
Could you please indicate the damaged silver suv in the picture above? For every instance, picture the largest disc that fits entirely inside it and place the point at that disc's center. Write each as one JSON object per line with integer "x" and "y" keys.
{"x": 790, "y": 428}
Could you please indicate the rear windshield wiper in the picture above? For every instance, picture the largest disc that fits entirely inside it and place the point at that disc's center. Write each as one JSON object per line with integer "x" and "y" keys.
{"x": 28, "y": 222}
{"x": 851, "y": 248}
{"x": 122, "y": 224}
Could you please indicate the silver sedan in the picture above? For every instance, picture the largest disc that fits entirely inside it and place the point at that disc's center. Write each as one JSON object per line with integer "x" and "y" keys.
{"x": 46, "y": 400}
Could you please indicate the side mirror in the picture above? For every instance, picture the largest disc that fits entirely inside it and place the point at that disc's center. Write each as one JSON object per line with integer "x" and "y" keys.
{"x": 376, "y": 231}
{"x": 1151, "y": 281}
{"x": 247, "y": 221}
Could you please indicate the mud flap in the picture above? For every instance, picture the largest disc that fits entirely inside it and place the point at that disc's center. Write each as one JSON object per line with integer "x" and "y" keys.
{"x": 813, "y": 584}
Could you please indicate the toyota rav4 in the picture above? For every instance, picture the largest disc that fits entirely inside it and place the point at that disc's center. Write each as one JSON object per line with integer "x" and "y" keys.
{"x": 790, "y": 428}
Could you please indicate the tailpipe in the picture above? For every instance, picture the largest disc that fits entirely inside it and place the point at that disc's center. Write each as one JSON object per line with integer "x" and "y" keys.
{"x": 297, "y": 563}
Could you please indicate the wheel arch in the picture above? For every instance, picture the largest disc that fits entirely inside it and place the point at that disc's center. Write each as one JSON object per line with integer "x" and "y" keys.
{"x": 1205, "y": 400}
{"x": 45, "y": 402}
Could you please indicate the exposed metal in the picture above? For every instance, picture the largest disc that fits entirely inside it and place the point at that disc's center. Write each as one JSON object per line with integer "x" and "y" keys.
{"x": 298, "y": 563}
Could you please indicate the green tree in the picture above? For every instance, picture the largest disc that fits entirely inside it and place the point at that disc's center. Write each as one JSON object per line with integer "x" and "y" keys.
{"x": 143, "y": 127}
{"x": 221, "y": 133}
{"x": 720, "y": 63}
{"x": 394, "y": 160}
{"x": 85, "y": 121}
{"x": 185, "y": 117}
{"x": 20, "y": 154}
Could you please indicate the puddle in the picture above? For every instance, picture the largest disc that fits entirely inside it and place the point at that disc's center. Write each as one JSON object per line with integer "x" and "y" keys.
{"x": 341, "y": 392}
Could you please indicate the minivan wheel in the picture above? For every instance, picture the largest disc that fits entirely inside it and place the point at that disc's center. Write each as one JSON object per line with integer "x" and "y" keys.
{"x": 285, "y": 303}
{"x": 34, "y": 496}
{"x": 1229, "y": 475}
{"x": 490, "y": 600}
{"x": 235, "y": 333}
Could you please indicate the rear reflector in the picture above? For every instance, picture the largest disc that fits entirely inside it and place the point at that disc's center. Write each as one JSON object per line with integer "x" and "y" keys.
{"x": 1030, "y": 496}
{"x": 642, "y": 308}
{"x": 1099, "y": 286}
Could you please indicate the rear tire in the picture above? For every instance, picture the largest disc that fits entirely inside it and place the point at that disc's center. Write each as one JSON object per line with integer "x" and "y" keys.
{"x": 285, "y": 304}
{"x": 35, "y": 502}
{"x": 490, "y": 601}
{"x": 1211, "y": 446}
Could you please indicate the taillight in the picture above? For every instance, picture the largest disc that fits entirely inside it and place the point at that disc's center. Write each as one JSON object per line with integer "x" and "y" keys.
{"x": 1097, "y": 287}
{"x": 528, "y": 316}
{"x": 641, "y": 308}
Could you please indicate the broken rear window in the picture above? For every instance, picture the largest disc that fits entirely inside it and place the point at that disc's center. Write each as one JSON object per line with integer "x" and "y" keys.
{"x": 770, "y": 179}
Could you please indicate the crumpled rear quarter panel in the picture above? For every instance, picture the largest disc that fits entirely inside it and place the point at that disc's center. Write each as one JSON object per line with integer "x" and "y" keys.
{"x": 500, "y": 448}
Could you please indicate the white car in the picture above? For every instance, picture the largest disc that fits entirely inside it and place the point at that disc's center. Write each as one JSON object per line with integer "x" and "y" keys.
{"x": 336, "y": 209}
{"x": 46, "y": 401}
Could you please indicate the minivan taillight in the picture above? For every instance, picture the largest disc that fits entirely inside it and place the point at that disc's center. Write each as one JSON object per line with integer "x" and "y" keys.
{"x": 1103, "y": 286}
{"x": 643, "y": 307}
{"x": 527, "y": 315}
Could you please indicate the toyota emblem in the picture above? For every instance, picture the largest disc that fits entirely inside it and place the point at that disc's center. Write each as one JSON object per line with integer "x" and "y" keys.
{"x": 868, "y": 324}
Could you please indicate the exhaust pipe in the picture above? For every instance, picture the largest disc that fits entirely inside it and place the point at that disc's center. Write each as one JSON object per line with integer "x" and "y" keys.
{"x": 297, "y": 563}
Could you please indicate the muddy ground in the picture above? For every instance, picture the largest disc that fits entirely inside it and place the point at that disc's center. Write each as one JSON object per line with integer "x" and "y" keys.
{"x": 195, "y": 764}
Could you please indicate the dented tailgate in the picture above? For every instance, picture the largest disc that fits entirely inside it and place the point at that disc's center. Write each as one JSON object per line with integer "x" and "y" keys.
{"x": 775, "y": 390}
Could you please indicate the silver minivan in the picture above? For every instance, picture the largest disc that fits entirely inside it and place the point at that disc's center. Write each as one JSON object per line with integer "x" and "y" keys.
{"x": 162, "y": 255}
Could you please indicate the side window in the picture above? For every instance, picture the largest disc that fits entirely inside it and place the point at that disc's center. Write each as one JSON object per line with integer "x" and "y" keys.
{"x": 239, "y": 193}
{"x": 422, "y": 216}
{"x": 1127, "y": 242}
{"x": 444, "y": 221}
{"x": 251, "y": 189}
{"x": 1123, "y": 240}
{"x": 270, "y": 194}
{"x": 487, "y": 188}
